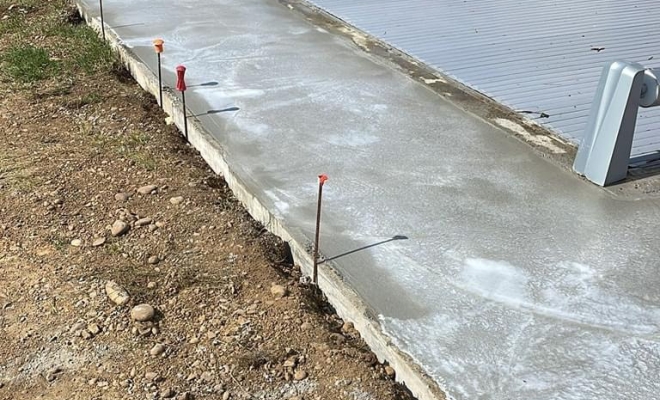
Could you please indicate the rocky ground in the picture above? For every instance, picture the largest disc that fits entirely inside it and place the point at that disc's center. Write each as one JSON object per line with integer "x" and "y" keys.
{"x": 127, "y": 268}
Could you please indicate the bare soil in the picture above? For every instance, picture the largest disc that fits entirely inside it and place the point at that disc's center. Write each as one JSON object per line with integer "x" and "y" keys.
{"x": 232, "y": 318}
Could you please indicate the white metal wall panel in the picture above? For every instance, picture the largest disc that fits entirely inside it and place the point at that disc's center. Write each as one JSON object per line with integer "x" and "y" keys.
{"x": 534, "y": 55}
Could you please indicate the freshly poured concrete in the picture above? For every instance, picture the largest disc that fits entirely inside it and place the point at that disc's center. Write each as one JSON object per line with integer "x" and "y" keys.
{"x": 517, "y": 280}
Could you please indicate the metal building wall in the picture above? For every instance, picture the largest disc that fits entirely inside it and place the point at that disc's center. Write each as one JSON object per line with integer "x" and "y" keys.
{"x": 543, "y": 56}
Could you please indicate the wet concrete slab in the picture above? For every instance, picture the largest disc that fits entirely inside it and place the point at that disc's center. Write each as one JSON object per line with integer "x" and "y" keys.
{"x": 509, "y": 278}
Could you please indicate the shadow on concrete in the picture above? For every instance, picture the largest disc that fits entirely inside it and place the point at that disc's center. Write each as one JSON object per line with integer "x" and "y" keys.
{"x": 127, "y": 25}
{"x": 211, "y": 112}
{"x": 205, "y": 84}
{"x": 393, "y": 238}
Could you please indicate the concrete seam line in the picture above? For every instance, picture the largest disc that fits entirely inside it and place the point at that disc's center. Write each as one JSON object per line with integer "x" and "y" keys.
{"x": 343, "y": 298}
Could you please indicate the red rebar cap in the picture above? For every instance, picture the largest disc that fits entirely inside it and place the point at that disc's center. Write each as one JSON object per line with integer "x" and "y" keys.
{"x": 181, "y": 78}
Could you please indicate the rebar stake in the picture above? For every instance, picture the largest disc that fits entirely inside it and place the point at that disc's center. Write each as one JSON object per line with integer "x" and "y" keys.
{"x": 315, "y": 276}
{"x": 158, "y": 47}
{"x": 181, "y": 87}
{"x": 102, "y": 21}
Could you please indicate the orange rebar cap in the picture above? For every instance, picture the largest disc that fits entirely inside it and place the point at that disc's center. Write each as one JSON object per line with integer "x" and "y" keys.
{"x": 323, "y": 178}
{"x": 158, "y": 45}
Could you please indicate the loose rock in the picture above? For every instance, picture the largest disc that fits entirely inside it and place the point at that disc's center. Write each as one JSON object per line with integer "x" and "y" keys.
{"x": 122, "y": 196}
{"x": 76, "y": 242}
{"x": 348, "y": 327}
{"x": 278, "y": 291}
{"x": 390, "y": 371}
{"x": 147, "y": 189}
{"x": 153, "y": 260}
{"x": 142, "y": 312}
{"x": 299, "y": 375}
{"x": 157, "y": 350}
{"x": 98, "y": 242}
{"x": 226, "y": 395}
{"x": 176, "y": 200}
{"x": 143, "y": 222}
{"x": 167, "y": 393}
{"x": 94, "y": 329}
{"x": 119, "y": 228}
{"x": 151, "y": 376}
{"x": 184, "y": 396}
{"x": 116, "y": 293}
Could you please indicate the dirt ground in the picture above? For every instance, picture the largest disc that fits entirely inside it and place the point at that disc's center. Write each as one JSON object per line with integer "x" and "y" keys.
{"x": 81, "y": 143}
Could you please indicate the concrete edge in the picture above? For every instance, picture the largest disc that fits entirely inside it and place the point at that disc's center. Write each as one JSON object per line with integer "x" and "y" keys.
{"x": 343, "y": 298}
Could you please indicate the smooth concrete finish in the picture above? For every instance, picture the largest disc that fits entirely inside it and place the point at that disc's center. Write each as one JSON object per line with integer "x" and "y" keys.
{"x": 517, "y": 280}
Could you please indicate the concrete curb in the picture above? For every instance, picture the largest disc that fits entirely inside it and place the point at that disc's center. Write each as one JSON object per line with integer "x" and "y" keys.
{"x": 343, "y": 298}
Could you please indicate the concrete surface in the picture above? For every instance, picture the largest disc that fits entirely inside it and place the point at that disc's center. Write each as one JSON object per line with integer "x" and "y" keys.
{"x": 517, "y": 281}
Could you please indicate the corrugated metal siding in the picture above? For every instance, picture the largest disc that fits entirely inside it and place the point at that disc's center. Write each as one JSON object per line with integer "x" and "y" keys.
{"x": 529, "y": 55}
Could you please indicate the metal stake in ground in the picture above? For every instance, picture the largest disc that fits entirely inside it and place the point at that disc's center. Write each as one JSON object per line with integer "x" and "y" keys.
{"x": 158, "y": 46}
{"x": 102, "y": 23}
{"x": 181, "y": 87}
{"x": 315, "y": 276}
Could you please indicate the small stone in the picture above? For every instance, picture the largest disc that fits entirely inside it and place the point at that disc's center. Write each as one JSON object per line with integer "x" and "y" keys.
{"x": 94, "y": 329}
{"x": 194, "y": 340}
{"x": 185, "y": 396}
{"x": 153, "y": 260}
{"x": 151, "y": 376}
{"x": 226, "y": 395}
{"x": 147, "y": 189}
{"x": 86, "y": 335}
{"x": 337, "y": 338}
{"x": 98, "y": 242}
{"x": 78, "y": 326}
{"x": 348, "y": 327}
{"x": 116, "y": 293}
{"x": 306, "y": 326}
{"x": 151, "y": 285}
{"x": 119, "y": 228}
{"x": 142, "y": 312}
{"x": 167, "y": 393}
{"x": 76, "y": 242}
{"x": 122, "y": 196}
{"x": 390, "y": 371}
{"x": 278, "y": 291}
{"x": 143, "y": 222}
{"x": 52, "y": 373}
{"x": 157, "y": 350}
{"x": 176, "y": 200}
{"x": 206, "y": 376}
{"x": 299, "y": 375}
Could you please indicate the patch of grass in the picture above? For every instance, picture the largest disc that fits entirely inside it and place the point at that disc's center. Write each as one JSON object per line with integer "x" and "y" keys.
{"x": 84, "y": 50}
{"x": 28, "y": 64}
{"x": 87, "y": 99}
{"x": 144, "y": 161}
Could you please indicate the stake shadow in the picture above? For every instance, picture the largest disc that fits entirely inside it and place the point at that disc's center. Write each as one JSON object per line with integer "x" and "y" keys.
{"x": 210, "y": 112}
{"x": 393, "y": 238}
{"x": 127, "y": 25}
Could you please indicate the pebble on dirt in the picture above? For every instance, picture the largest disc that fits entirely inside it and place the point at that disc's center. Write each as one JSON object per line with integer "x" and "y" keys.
{"x": 299, "y": 375}
{"x": 76, "y": 242}
{"x": 279, "y": 291}
{"x": 157, "y": 349}
{"x": 147, "y": 189}
{"x": 116, "y": 293}
{"x": 142, "y": 312}
{"x": 153, "y": 260}
{"x": 176, "y": 200}
{"x": 119, "y": 228}
{"x": 122, "y": 196}
{"x": 98, "y": 242}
